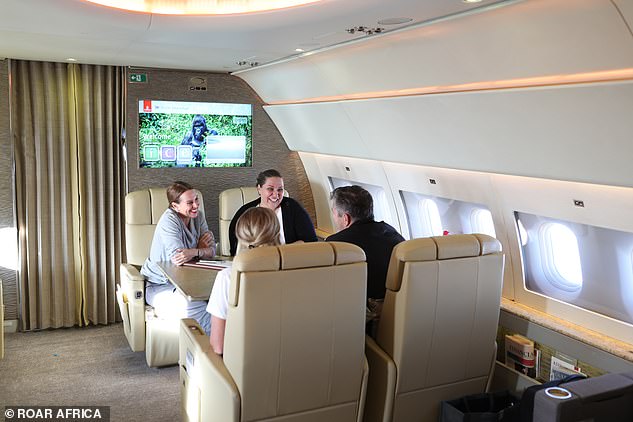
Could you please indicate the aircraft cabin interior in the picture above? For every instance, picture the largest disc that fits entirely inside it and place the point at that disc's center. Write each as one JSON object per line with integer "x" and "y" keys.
{"x": 495, "y": 136}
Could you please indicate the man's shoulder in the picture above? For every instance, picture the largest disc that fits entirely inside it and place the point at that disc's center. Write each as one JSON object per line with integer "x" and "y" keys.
{"x": 389, "y": 230}
{"x": 339, "y": 236}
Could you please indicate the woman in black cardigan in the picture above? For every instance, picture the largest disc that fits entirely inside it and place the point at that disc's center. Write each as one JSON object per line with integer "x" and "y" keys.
{"x": 295, "y": 221}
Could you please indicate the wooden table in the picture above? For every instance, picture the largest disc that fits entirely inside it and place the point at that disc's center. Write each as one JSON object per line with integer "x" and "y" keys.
{"x": 194, "y": 283}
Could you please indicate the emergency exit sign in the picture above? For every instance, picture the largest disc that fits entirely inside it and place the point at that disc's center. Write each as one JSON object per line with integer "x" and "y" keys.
{"x": 138, "y": 78}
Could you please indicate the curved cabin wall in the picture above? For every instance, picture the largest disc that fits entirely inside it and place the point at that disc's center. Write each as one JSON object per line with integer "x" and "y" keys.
{"x": 524, "y": 106}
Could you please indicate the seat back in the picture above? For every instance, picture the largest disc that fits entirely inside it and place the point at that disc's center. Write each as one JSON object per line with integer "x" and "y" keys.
{"x": 294, "y": 341}
{"x": 143, "y": 209}
{"x": 439, "y": 319}
{"x": 230, "y": 201}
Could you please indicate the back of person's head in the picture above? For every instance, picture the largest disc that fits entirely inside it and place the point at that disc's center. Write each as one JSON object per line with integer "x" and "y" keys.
{"x": 176, "y": 189}
{"x": 353, "y": 200}
{"x": 258, "y": 226}
{"x": 261, "y": 177}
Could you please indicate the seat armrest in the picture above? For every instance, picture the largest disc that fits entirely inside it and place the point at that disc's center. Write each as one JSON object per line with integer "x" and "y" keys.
{"x": 131, "y": 300}
{"x": 207, "y": 386}
{"x": 363, "y": 392}
{"x": 131, "y": 273}
{"x": 381, "y": 387}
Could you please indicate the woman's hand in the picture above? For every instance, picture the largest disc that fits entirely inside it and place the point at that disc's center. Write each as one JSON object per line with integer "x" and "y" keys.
{"x": 183, "y": 255}
{"x": 205, "y": 241}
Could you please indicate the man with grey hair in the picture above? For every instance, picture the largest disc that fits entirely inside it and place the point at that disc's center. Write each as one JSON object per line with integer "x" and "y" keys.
{"x": 353, "y": 216}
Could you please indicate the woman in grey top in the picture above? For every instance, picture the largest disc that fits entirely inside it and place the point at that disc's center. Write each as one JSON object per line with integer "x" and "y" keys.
{"x": 181, "y": 235}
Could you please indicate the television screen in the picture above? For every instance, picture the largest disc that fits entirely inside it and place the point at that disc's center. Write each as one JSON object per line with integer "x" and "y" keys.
{"x": 193, "y": 134}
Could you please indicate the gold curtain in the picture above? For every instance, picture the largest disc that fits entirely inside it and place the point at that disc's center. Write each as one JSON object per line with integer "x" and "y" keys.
{"x": 67, "y": 121}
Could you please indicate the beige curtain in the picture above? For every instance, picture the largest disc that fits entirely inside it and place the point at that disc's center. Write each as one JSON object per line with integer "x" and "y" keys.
{"x": 66, "y": 125}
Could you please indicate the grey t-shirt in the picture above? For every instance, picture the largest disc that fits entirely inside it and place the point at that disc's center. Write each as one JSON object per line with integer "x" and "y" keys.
{"x": 170, "y": 235}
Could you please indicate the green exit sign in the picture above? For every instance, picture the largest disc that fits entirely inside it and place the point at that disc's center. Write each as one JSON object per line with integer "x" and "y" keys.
{"x": 138, "y": 78}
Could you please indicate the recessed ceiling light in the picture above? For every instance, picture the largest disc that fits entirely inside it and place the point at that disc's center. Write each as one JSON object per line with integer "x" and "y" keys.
{"x": 299, "y": 50}
{"x": 471, "y": 1}
{"x": 70, "y": 59}
{"x": 201, "y": 7}
{"x": 394, "y": 21}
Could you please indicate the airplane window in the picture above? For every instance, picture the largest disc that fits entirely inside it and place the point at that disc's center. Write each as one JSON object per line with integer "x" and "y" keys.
{"x": 430, "y": 218}
{"x": 481, "y": 221}
{"x": 561, "y": 257}
{"x": 9, "y": 255}
{"x": 586, "y": 266}
{"x": 434, "y": 216}
{"x": 381, "y": 206}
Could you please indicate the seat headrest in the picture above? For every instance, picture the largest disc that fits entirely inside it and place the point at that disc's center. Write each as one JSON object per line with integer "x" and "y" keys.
{"x": 297, "y": 255}
{"x": 146, "y": 206}
{"x": 456, "y": 246}
{"x": 437, "y": 248}
{"x": 231, "y": 200}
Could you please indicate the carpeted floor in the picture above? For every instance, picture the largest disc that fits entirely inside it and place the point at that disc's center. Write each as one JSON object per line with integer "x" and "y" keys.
{"x": 91, "y": 366}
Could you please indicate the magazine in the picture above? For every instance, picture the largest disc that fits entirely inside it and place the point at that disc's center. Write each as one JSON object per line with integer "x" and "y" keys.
{"x": 561, "y": 369}
{"x": 209, "y": 264}
{"x": 520, "y": 354}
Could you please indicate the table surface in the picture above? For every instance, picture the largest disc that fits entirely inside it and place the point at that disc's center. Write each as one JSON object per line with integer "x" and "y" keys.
{"x": 194, "y": 283}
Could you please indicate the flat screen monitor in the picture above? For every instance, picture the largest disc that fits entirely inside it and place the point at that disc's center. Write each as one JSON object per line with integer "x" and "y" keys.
{"x": 194, "y": 134}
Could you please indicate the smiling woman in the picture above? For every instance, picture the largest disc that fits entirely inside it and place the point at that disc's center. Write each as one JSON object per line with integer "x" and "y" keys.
{"x": 201, "y": 7}
{"x": 294, "y": 221}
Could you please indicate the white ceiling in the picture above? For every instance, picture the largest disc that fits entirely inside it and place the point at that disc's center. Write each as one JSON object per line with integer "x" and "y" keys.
{"x": 55, "y": 30}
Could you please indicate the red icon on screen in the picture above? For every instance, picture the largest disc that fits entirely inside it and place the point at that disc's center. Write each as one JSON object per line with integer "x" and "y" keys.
{"x": 147, "y": 106}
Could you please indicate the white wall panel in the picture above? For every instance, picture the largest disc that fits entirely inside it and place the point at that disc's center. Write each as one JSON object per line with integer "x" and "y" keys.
{"x": 626, "y": 8}
{"x": 605, "y": 206}
{"x": 468, "y": 186}
{"x": 320, "y": 168}
{"x": 521, "y": 39}
{"x": 322, "y": 128}
{"x": 577, "y": 132}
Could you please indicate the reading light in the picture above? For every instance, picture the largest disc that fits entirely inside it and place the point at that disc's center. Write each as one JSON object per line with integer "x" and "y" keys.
{"x": 365, "y": 30}
{"x": 201, "y": 7}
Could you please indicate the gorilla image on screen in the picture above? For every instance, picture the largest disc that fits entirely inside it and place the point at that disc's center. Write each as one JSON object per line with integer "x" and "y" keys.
{"x": 196, "y": 137}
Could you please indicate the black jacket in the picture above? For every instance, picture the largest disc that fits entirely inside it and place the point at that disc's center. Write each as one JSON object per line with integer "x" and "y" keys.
{"x": 297, "y": 223}
{"x": 377, "y": 239}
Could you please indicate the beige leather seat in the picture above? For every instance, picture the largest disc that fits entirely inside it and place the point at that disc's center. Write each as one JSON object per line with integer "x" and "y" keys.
{"x": 1, "y": 323}
{"x": 436, "y": 338}
{"x": 293, "y": 344}
{"x": 143, "y": 329}
{"x": 229, "y": 202}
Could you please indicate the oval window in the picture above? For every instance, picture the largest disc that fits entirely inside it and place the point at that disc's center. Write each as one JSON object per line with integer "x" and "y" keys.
{"x": 430, "y": 218}
{"x": 561, "y": 259}
{"x": 481, "y": 222}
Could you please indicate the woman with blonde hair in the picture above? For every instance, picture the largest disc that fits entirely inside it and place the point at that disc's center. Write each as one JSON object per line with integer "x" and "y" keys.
{"x": 257, "y": 227}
